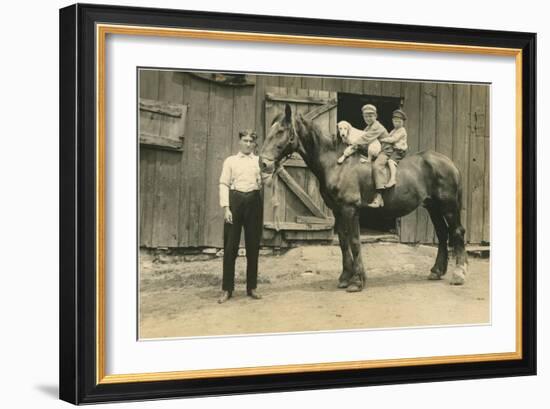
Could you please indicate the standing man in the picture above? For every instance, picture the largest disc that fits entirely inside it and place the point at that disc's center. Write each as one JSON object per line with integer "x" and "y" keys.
{"x": 240, "y": 184}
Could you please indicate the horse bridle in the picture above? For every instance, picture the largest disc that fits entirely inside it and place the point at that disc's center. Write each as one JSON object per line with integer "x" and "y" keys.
{"x": 291, "y": 139}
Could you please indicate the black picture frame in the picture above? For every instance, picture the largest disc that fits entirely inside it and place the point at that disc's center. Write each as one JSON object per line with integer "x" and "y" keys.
{"x": 78, "y": 194}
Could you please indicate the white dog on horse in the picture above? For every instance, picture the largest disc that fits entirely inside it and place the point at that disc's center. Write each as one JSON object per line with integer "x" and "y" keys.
{"x": 355, "y": 137}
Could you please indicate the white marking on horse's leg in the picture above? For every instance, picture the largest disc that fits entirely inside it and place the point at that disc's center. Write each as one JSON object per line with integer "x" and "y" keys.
{"x": 459, "y": 275}
{"x": 434, "y": 276}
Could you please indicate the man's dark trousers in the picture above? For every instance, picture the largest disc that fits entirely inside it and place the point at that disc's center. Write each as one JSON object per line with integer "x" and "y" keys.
{"x": 247, "y": 212}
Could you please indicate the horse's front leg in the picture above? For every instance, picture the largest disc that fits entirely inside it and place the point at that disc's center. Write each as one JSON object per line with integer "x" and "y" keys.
{"x": 347, "y": 260}
{"x": 350, "y": 218}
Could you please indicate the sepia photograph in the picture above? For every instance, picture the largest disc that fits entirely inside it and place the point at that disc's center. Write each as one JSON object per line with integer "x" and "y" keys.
{"x": 284, "y": 203}
{"x": 253, "y": 203}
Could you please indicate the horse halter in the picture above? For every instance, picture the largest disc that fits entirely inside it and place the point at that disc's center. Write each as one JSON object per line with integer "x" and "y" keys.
{"x": 291, "y": 141}
{"x": 293, "y": 136}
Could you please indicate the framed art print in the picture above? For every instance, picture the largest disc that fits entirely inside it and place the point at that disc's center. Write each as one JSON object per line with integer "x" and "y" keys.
{"x": 257, "y": 203}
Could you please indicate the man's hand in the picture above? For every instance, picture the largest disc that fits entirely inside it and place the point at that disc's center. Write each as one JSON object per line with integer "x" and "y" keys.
{"x": 227, "y": 215}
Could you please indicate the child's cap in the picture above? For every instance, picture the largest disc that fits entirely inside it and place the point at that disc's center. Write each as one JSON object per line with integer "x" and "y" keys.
{"x": 369, "y": 108}
{"x": 399, "y": 114}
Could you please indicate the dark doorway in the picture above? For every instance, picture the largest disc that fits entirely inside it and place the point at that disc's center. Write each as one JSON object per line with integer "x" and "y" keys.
{"x": 349, "y": 109}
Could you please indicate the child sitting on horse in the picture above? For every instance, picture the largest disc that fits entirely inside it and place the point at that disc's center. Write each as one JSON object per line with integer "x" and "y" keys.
{"x": 395, "y": 144}
{"x": 379, "y": 166}
{"x": 357, "y": 138}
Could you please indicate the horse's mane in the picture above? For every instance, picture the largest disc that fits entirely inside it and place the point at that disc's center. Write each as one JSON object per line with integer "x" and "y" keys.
{"x": 331, "y": 140}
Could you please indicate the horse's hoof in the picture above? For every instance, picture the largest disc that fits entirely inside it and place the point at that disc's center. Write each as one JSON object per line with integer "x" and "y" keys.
{"x": 434, "y": 276}
{"x": 343, "y": 284}
{"x": 436, "y": 273}
{"x": 354, "y": 288}
{"x": 459, "y": 275}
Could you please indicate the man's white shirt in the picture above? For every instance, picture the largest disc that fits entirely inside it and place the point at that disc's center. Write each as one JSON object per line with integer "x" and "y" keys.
{"x": 240, "y": 172}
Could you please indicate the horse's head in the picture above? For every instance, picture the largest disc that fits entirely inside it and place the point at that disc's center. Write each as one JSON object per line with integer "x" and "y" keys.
{"x": 281, "y": 141}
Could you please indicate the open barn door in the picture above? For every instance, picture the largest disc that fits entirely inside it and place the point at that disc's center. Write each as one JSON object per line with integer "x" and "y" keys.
{"x": 293, "y": 207}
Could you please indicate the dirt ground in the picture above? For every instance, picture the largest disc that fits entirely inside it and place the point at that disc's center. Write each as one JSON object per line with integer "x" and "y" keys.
{"x": 179, "y": 299}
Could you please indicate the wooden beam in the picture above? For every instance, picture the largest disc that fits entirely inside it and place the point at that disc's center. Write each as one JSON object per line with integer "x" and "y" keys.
{"x": 325, "y": 236}
{"x": 314, "y": 113}
{"x": 160, "y": 141}
{"x": 270, "y": 96}
{"x": 161, "y": 107}
{"x": 314, "y": 220}
{"x": 298, "y": 226}
{"x": 298, "y": 191}
{"x": 234, "y": 80}
{"x": 295, "y": 163}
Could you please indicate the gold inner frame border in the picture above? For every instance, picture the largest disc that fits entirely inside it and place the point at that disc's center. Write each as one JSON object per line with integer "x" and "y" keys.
{"x": 102, "y": 30}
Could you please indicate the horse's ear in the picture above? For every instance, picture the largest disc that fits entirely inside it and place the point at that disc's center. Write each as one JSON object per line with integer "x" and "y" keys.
{"x": 288, "y": 113}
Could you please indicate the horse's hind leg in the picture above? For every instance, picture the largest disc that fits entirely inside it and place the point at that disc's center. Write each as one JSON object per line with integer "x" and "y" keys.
{"x": 440, "y": 267}
{"x": 456, "y": 235}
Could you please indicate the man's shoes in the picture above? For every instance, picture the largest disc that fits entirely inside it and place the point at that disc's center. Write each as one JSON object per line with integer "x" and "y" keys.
{"x": 253, "y": 294}
{"x": 226, "y": 295}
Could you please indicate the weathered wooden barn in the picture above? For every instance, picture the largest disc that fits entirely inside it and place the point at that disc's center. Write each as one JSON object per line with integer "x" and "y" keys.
{"x": 189, "y": 124}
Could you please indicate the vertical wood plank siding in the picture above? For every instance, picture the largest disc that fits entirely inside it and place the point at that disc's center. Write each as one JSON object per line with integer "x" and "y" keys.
{"x": 179, "y": 190}
{"x": 477, "y": 163}
{"x": 461, "y": 144}
{"x": 428, "y": 113}
{"x": 411, "y": 105}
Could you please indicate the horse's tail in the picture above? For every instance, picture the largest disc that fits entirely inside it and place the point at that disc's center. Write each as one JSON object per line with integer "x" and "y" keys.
{"x": 445, "y": 192}
{"x": 447, "y": 188}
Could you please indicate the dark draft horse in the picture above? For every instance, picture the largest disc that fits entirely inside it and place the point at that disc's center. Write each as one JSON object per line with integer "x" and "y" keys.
{"x": 427, "y": 179}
